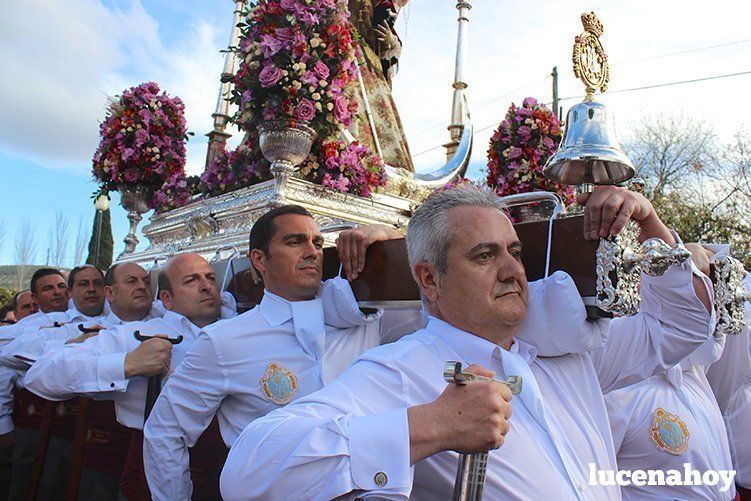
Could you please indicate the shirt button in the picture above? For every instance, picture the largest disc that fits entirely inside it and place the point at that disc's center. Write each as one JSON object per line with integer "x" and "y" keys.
{"x": 380, "y": 479}
{"x": 112, "y": 385}
{"x": 582, "y": 487}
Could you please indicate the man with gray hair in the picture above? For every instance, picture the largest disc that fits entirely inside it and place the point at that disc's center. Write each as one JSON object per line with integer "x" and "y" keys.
{"x": 391, "y": 427}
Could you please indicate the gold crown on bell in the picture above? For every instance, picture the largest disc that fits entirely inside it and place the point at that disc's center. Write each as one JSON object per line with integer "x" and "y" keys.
{"x": 592, "y": 24}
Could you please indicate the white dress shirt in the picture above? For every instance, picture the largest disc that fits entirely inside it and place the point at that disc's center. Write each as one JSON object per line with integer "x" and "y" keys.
{"x": 33, "y": 342}
{"x": 730, "y": 379}
{"x": 353, "y": 435}
{"x": 221, "y": 375}
{"x": 682, "y": 393}
{"x": 35, "y": 320}
{"x": 7, "y": 380}
{"x": 97, "y": 366}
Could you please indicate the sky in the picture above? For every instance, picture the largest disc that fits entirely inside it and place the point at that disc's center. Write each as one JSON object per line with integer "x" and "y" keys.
{"x": 61, "y": 59}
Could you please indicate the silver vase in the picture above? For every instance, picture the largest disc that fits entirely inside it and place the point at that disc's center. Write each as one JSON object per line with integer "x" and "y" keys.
{"x": 285, "y": 146}
{"x": 135, "y": 200}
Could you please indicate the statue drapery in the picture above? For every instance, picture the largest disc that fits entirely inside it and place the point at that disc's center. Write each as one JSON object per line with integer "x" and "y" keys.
{"x": 377, "y": 63}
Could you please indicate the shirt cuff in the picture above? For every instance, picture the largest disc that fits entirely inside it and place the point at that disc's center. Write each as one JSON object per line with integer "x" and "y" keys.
{"x": 110, "y": 372}
{"x": 6, "y": 424}
{"x": 379, "y": 451}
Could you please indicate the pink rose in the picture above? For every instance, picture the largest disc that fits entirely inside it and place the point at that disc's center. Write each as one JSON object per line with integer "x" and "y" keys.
{"x": 305, "y": 110}
{"x": 131, "y": 175}
{"x": 340, "y": 110}
{"x": 321, "y": 70}
{"x": 269, "y": 75}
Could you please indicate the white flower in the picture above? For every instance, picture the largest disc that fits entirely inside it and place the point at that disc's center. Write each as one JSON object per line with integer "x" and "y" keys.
{"x": 329, "y": 106}
{"x": 318, "y": 106}
{"x": 315, "y": 42}
{"x": 316, "y": 96}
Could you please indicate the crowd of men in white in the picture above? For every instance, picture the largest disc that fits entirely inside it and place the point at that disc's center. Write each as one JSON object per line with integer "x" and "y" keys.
{"x": 317, "y": 400}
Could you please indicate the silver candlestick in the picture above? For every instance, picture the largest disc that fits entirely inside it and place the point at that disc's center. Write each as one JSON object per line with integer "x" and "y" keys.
{"x": 135, "y": 200}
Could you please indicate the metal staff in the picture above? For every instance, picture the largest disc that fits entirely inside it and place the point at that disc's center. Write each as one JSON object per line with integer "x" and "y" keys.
{"x": 470, "y": 475}
{"x": 155, "y": 382}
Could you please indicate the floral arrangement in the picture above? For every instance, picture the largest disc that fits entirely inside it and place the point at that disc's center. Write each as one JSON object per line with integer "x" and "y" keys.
{"x": 345, "y": 168}
{"x": 297, "y": 65}
{"x": 519, "y": 149}
{"x": 143, "y": 143}
{"x": 296, "y": 60}
{"x": 234, "y": 169}
{"x": 175, "y": 192}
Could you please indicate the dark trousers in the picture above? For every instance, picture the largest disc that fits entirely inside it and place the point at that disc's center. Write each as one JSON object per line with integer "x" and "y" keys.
{"x": 24, "y": 448}
{"x": 56, "y": 466}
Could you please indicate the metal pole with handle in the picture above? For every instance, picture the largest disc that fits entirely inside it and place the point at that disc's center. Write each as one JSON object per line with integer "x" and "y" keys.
{"x": 155, "y": 382}
{"x": 470, "y": 475}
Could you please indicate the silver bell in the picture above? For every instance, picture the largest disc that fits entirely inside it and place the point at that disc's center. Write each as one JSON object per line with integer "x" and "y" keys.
{"x": 589, "y": 152}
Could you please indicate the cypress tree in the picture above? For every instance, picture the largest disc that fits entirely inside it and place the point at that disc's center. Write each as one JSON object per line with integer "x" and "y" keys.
{"x": 105, "y": 242}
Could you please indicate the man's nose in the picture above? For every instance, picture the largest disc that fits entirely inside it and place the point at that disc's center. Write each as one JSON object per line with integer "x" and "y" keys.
{"x": 510, "y": 268}
{"x": 310, "y": 249}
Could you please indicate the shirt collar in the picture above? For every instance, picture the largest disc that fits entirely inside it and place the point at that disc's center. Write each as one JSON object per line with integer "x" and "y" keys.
{"x": 474, "y": 349}
{"x": 180, "y": 322}
{"x": 277, "y": 310}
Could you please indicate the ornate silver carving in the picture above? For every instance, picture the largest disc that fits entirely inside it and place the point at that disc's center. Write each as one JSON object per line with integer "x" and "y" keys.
{"x": 655, "y": 256}
{"x": 621, "y": 260}
{"x": 207, "y": 224}
{"x": 730, "y": 294}
{"x": 617, "y": 283}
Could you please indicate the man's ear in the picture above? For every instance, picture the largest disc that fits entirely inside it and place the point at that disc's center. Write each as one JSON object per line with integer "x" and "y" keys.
{"x": 258, "y": 260}
{"x": 426, "y": 277}
{"x": 108, "y": 293}
{"x": 166, "y": 297}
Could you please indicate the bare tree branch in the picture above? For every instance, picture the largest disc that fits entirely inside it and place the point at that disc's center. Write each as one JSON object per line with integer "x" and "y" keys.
{"x": 80, "y": 245}
{"x": 25, "y": 247}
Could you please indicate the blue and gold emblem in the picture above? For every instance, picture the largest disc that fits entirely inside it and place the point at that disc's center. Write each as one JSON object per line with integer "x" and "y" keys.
{"x": 669, "y": 433}
{"x": 278, "y": 384}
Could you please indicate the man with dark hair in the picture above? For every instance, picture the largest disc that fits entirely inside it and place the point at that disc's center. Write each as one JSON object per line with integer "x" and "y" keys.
{"x": 391, "y": 427}
{"x": 114, "y": 364}
{"x": 291, "y": 344}
{"x": 128, "y": 290}
{"x": 86, "y": 284}
{"x": 24, "y": 304}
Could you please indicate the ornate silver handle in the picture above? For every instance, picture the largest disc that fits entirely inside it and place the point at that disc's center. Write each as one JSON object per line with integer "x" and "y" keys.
{"x": 619, "y": 263}
{"x": 470, "y": 474}
{"x": 730, "y": 295}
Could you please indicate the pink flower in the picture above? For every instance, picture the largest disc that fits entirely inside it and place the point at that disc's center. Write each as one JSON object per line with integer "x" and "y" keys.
{"x": 305, "y": 110}
{"x": 271, "y": 45}
{"x": 515, "y": 152}
{"x": 321, "y": 70}
{"x": 269, "y": 75}
{"x": 131, "y": 175}
{"x": 340, "y": 110}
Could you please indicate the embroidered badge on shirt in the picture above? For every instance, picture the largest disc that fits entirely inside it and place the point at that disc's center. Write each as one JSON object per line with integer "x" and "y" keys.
{"x": 278, "y": 384}
{"x": 669, "y": 433}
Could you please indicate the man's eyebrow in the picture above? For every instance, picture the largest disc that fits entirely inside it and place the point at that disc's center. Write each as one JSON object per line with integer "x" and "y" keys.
{"x": 293, "y": 236}
{"x": 483, "y": 245}
{"x": 517, "y": 245}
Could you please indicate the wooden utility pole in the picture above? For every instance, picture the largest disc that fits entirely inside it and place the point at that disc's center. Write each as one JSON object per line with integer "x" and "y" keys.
{"x": 554, "y": 74}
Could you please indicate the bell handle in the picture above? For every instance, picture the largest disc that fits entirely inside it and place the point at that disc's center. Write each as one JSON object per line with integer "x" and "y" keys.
{"x": 518, "y": 199}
